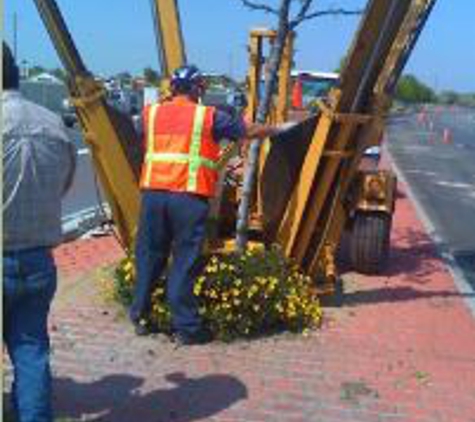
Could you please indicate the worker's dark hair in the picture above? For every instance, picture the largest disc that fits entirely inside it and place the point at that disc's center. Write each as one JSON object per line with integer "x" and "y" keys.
{"x": 11, "y": 74}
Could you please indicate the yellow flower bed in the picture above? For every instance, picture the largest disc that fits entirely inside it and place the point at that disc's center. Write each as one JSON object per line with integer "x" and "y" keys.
{"x": 256, "y": 293}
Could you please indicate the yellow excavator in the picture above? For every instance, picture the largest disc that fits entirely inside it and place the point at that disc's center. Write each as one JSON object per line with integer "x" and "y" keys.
{"x": 310, "y": 189}
{"x": 370, "y": 201}
{"x": 322, "y": 189}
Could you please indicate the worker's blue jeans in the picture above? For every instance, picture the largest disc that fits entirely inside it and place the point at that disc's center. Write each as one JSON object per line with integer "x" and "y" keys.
{"x": 29, "y": 284}
{"x": 171, "y": 224}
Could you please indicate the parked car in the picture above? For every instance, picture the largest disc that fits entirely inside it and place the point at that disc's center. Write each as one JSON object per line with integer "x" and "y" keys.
{"x": 68, "y": 114}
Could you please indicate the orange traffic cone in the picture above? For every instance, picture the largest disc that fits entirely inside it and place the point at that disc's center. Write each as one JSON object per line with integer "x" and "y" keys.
{"x": 422, "y": 118}
{"x": 297, "y": 94}
{"x": 447, "y": 136}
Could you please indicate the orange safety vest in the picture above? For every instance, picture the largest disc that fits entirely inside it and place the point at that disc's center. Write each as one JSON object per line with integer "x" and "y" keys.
{"x": 181, "y": 154}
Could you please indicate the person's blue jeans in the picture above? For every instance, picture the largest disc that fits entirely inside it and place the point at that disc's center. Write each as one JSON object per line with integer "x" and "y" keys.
{"x": 29, "y": 284}
{"x": 170, "y": 224}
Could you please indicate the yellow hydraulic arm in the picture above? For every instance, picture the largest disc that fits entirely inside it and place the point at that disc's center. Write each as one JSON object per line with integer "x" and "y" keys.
{"x": 110, "y": 135}
{"x": 169, "y": 37}
{"x": 259, "y": 39}
{"x": 257, "y": 74}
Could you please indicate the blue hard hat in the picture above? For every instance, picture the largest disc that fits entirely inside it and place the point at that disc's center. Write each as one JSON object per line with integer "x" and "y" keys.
{"x": 187, "y": 79}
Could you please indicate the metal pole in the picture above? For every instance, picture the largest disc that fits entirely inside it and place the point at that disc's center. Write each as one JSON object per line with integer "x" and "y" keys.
{"x": 168, "y": 35}
{"x": 15, "y": 39}
{"x": 158, "y": 39}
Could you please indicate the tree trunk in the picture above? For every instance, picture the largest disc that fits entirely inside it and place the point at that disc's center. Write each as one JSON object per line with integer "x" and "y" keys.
{"x": 249, "y": 182}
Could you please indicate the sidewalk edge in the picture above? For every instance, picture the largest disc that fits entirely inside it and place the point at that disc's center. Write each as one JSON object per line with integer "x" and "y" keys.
{"x": 461, "y": 283}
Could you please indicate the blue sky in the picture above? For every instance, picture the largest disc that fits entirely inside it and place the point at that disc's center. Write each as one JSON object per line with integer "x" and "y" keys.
{"x": 118, "y": 35}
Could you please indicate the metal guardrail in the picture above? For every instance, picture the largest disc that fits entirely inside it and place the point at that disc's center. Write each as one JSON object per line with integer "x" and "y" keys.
{"x": 78, "y": 224}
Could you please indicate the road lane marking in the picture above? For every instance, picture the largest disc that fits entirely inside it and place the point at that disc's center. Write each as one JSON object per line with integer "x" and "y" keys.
{"x": 455, "y": 185}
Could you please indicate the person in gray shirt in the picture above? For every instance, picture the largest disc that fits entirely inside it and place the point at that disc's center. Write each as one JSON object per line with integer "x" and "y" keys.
{"x": 38, "y": 167}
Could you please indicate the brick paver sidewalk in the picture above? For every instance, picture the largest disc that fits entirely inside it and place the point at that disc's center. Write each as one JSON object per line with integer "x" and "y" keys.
{"x": 401, "y": 348}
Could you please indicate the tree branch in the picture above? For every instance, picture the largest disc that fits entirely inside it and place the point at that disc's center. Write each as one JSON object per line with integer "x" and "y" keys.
{"x": 303, "y": 11}
{"x": 260, "y": 6}
{"x": 334, "y": 12}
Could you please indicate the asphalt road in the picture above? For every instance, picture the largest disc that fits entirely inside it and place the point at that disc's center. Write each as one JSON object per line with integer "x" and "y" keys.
{"x": 82, "y": 194}
{"x": 81, "y": 206}
{"x": 435, "y": 151}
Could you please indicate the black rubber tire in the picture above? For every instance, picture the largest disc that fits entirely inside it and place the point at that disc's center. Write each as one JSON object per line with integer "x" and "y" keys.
{"x": 370, "y": 242}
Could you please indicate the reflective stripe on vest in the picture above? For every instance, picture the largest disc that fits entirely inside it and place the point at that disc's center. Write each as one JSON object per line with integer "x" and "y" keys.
{"x": 171, "y": 157}
{"x": 150, "y": 144}
{"x": 195, "y": 147}
{"x": 193, "y": 158}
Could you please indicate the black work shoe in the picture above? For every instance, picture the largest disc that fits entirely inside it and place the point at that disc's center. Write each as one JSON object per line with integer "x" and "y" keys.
{"x": 200, "y": 337}
{"x": 144, "y": 327}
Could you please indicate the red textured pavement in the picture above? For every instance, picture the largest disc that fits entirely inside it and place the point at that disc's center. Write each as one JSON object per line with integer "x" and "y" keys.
{"x": 79, "y": 257}
{"x": 400, "y": 348}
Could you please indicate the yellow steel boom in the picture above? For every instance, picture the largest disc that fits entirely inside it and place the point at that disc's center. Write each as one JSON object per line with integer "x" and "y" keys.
{"x": 114, "y": 147}
{"x": 169, "y": 37}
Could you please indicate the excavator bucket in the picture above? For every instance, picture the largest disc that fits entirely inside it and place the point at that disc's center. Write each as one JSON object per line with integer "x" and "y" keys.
{"x": 281, "y": 172}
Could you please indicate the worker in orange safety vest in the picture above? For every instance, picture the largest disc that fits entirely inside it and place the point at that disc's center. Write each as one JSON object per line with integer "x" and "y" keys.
{"x": 179, "y": 175}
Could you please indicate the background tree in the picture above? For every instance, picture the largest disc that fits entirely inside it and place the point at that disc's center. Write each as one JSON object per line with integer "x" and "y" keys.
{"x": 59, "y": 73}
{"x": 151, "y": 76}
{"x": 289, "y": 15}
{"x": 35, "y": 71}
{"x": 124, "y": 78}
{"x": 449, "y": 97}
{"x": 467, "y": 100}
{"x": 412, "y": 90}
